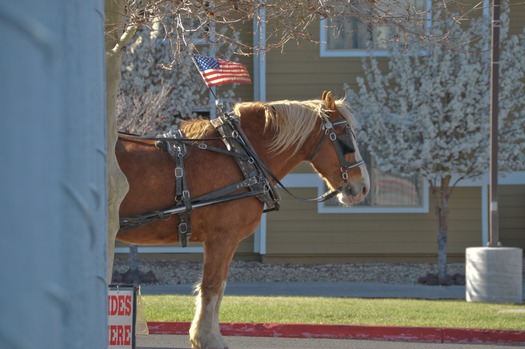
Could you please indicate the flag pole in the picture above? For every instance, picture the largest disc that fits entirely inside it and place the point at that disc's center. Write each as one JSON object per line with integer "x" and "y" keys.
{"x": 215, "y": 71}
{"x": 493, "y": 218}
{"x": 218, "y": 102}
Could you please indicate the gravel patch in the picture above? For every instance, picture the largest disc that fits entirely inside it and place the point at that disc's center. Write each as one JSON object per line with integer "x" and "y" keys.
{"x": 173, "y": 272}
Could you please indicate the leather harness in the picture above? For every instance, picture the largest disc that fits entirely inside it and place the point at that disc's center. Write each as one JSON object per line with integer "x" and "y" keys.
{"x": 257, "y": 176}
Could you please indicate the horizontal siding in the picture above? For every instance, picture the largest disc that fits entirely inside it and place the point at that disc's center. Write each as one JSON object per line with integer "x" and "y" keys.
{"x": 517, "y": 16}
{"x": 299, "y": 232}
{"x": 246, "y": 246}
{"x": 511, "y": 203}
{"x": 299, "y": 229}
{"x": 300, "y": 73}
{"x": 303, "y": 167}
{"x": 243, "y": 92}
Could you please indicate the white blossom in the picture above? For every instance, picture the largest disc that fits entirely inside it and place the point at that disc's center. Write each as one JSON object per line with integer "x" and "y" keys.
{"x": 157, "y": 88}
{"x": 428, "y": 114}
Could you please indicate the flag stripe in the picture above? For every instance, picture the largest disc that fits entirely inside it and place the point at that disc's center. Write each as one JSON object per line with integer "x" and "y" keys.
{"x": 218, "y": 72}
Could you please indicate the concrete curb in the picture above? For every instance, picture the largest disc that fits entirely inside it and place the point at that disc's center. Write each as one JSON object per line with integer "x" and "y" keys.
{"x": 386, "y": 333}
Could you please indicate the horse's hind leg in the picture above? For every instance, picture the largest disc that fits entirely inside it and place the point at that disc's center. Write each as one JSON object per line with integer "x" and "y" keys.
{"x": 204, "y": 331}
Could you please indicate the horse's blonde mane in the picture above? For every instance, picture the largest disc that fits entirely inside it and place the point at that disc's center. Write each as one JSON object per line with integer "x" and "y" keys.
{"x": 292, "y": 121}
{"x": 197, "y": 129}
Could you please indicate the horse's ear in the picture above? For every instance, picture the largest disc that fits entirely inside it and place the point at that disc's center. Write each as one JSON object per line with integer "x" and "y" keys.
{"x": 329, "y": 101}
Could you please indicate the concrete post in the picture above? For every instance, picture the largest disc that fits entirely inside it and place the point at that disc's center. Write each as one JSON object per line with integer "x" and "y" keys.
{"x": 494, "y": 274}
{"x": 53, "y": 291}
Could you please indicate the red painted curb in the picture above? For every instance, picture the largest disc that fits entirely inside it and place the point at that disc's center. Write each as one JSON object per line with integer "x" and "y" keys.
{"x": 386, "y": 333}
{"x": 453, "y": 335}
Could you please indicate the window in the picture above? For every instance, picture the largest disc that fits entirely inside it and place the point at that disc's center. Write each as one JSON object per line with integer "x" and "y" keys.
{"x": 349, "y": 36}
{"x": 389, "y": 193}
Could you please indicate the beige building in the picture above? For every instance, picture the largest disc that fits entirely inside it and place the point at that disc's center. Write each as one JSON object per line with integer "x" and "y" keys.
{"x": 400, "y": 225}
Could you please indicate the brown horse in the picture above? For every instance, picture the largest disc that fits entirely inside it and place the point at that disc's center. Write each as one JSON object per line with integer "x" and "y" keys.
{"x": 282, "y": 135}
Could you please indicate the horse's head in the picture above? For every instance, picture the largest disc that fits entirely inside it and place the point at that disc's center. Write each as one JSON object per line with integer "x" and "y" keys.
{"x": 320, "y": 131}
{"x": 336, "y": 155}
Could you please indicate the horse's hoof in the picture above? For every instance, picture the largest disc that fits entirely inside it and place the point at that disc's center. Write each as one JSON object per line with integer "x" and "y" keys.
{"x": 210, "y": 343}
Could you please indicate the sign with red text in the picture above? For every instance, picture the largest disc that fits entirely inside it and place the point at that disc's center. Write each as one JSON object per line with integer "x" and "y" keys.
{"x": 121, "y": 316}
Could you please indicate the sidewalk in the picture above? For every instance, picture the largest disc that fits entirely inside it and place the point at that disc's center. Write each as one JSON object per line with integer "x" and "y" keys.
{"x": 182, "y": 342}
{"x": 322, "y": 289}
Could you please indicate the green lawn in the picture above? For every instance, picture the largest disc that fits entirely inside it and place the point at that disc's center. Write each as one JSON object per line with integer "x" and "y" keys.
{"x": 350, "y": 311}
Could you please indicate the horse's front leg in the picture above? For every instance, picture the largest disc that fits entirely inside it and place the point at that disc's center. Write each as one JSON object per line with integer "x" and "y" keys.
{"x": 204, "y": 331}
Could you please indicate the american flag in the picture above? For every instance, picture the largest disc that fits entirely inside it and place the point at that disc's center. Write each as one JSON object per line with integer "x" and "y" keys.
{"x": 216, "y": 71}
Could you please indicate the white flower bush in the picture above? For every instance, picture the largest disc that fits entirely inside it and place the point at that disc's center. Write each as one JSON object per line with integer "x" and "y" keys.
{"x": 428, "y": 114}
{"x": 157, "y": 89}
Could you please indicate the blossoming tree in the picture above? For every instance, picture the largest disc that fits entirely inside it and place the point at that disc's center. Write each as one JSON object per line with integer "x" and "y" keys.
{"x": 158, "y": 89}
{"x": 428, "y": 113}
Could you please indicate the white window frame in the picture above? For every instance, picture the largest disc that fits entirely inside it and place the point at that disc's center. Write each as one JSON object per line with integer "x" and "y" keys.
{"x": 322, "y": 207}
{"x": 326, "y": 52}
{"x": 312, "y": 180}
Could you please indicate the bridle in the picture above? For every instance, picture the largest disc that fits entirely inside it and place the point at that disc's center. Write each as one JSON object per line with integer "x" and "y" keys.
{"x": 341, "y": 146}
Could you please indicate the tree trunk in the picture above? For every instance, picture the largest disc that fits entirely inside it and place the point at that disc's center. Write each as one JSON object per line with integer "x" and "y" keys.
{"x": 133, "y": 259}
{"x": 133, "y": 262}
{"x": 116, "y": 37}
{"x": 442, "y": 238}
{"x": 442, "y": 195}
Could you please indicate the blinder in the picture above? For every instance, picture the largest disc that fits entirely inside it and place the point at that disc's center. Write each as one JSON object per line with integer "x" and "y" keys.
{"x": 343, "y": 144}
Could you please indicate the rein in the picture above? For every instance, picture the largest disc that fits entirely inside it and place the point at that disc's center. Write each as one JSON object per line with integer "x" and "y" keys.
{"x": 242, "y": 139}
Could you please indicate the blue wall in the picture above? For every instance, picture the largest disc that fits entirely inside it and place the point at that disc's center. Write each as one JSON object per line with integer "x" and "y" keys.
{"x": 52, "y": 175}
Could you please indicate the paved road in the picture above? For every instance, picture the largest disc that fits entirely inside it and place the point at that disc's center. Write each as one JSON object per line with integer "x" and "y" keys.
{"x": 323, "y": 289}
{"x": 176, "y": 342}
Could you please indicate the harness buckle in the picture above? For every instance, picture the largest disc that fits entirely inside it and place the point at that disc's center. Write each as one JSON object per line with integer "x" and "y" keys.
{"x": 183, "y": 228}
{"x": 333, "y": 136}
{"x": 179, "y": 172}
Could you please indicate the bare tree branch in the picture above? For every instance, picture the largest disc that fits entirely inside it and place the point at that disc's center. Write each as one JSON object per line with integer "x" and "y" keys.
{"x": 289, "y": 21}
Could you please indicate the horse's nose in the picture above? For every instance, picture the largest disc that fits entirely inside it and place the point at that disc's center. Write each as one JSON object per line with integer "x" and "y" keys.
{"x": 364, "y": 191}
